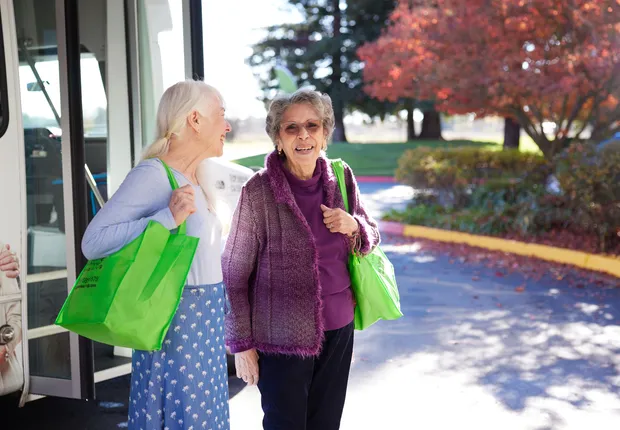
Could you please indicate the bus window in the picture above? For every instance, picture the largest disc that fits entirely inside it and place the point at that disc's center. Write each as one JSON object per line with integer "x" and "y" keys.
{"x": 4, "y": 114}
{"x": 41, "y": 94}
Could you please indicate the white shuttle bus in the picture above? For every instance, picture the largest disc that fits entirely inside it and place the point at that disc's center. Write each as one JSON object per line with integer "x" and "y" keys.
{"x": 79, "y": 86}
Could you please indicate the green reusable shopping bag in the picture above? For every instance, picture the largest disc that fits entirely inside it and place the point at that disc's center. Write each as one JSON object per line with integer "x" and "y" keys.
{"x": 372, "y": 277}
{"x": 129, "y": 298}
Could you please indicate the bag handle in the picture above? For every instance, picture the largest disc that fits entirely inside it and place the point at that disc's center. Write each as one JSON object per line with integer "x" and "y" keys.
{"x": 338, "y": 167}
{"x": 339, "y": 172}
{"x": 174, "y": 184}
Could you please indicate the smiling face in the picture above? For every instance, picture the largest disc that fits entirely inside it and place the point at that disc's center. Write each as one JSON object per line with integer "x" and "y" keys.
{"x": 301, "y": 137}
{"x": 213, "y": 128}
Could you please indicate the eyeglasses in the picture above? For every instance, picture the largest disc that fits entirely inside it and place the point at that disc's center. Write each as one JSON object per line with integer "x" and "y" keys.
{"x": 293, "y": 129}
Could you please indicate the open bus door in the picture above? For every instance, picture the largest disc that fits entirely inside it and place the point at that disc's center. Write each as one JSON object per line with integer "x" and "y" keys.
{"x": 41, "y": 185}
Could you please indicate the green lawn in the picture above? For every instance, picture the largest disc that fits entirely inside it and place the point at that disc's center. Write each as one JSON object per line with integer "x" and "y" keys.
{"x": 374, "y": 159}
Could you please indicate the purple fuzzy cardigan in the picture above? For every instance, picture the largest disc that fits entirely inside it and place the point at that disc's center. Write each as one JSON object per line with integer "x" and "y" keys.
{"x": 270, "y": 263}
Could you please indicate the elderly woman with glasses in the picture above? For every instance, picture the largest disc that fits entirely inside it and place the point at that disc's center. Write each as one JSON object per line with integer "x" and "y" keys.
{"x": 285, "y": 270}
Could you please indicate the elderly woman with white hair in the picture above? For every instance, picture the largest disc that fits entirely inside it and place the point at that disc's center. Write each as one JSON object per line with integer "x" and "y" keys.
{"x": 285, "y": 270}
{"x": 185, "y": 384}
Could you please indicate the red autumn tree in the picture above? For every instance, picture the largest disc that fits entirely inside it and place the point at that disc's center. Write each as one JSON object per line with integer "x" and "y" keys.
{"x": 534, "y": 61}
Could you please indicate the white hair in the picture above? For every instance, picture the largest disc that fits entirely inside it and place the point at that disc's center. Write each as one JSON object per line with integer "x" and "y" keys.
{"x": 176, "y": 104}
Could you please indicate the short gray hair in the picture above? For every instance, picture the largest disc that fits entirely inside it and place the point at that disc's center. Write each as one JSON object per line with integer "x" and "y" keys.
{"x": 321, "y": 103}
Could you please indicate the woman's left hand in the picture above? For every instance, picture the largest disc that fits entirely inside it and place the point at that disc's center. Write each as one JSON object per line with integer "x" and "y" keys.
{"x": 339, "y": 221}
{"x": 9, "y": 263}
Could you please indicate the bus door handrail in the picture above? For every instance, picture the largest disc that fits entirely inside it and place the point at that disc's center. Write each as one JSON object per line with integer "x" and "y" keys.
{"x": 93, "y": 186}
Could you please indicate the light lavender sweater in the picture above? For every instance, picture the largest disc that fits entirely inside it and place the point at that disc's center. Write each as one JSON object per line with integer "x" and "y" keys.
{"x": 270, "y": 264}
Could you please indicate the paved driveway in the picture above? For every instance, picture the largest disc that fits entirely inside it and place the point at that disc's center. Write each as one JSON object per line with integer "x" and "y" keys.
{"x": 472, "y": 352}
{"x": 475, "y": 352}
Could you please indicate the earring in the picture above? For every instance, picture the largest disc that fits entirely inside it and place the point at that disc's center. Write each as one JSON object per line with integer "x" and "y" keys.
{"x": 279, "y": 151}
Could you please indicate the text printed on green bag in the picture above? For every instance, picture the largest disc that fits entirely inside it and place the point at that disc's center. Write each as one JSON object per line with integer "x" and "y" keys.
{"x": 90, "y": 276}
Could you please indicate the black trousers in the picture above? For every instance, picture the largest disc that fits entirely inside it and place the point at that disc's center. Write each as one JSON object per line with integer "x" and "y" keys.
{"x": 307, "y": 393}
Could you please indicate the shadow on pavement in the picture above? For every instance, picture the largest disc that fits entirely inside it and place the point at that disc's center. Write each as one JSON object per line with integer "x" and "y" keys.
{"x": 539, "y": 349}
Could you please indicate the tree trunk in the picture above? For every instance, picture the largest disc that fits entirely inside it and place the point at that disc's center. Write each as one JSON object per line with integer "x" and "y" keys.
{"x": 337, "y": 93}
{"x": 409, "y": 105}
{"x": 431, "y": 125}
{"x": 545, "y": 146}
{"x": 512, "y": 133}
{"x": 339, "y": 134}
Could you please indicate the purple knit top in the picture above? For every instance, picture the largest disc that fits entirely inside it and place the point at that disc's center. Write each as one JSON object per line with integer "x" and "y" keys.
{"x": 333, "y": 251}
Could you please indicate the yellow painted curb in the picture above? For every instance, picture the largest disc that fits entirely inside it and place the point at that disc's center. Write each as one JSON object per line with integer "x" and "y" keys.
{"x": 599, "y": 263}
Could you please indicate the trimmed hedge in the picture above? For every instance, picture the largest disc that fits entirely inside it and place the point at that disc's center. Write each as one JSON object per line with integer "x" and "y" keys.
{"x": 451, "y": 172}
{"x": 448, "y": 167}
{"x": 503, "y": 192}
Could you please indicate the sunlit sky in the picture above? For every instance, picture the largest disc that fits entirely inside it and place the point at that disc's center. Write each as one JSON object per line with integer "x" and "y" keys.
{"x": 230, "y": 28}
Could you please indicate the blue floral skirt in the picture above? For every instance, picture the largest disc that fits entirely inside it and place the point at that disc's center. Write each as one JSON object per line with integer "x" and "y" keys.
{"x": 184, "y": 386}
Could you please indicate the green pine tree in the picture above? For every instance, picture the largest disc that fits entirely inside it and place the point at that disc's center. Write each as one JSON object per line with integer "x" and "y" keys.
{"x": 321, "y": 51}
